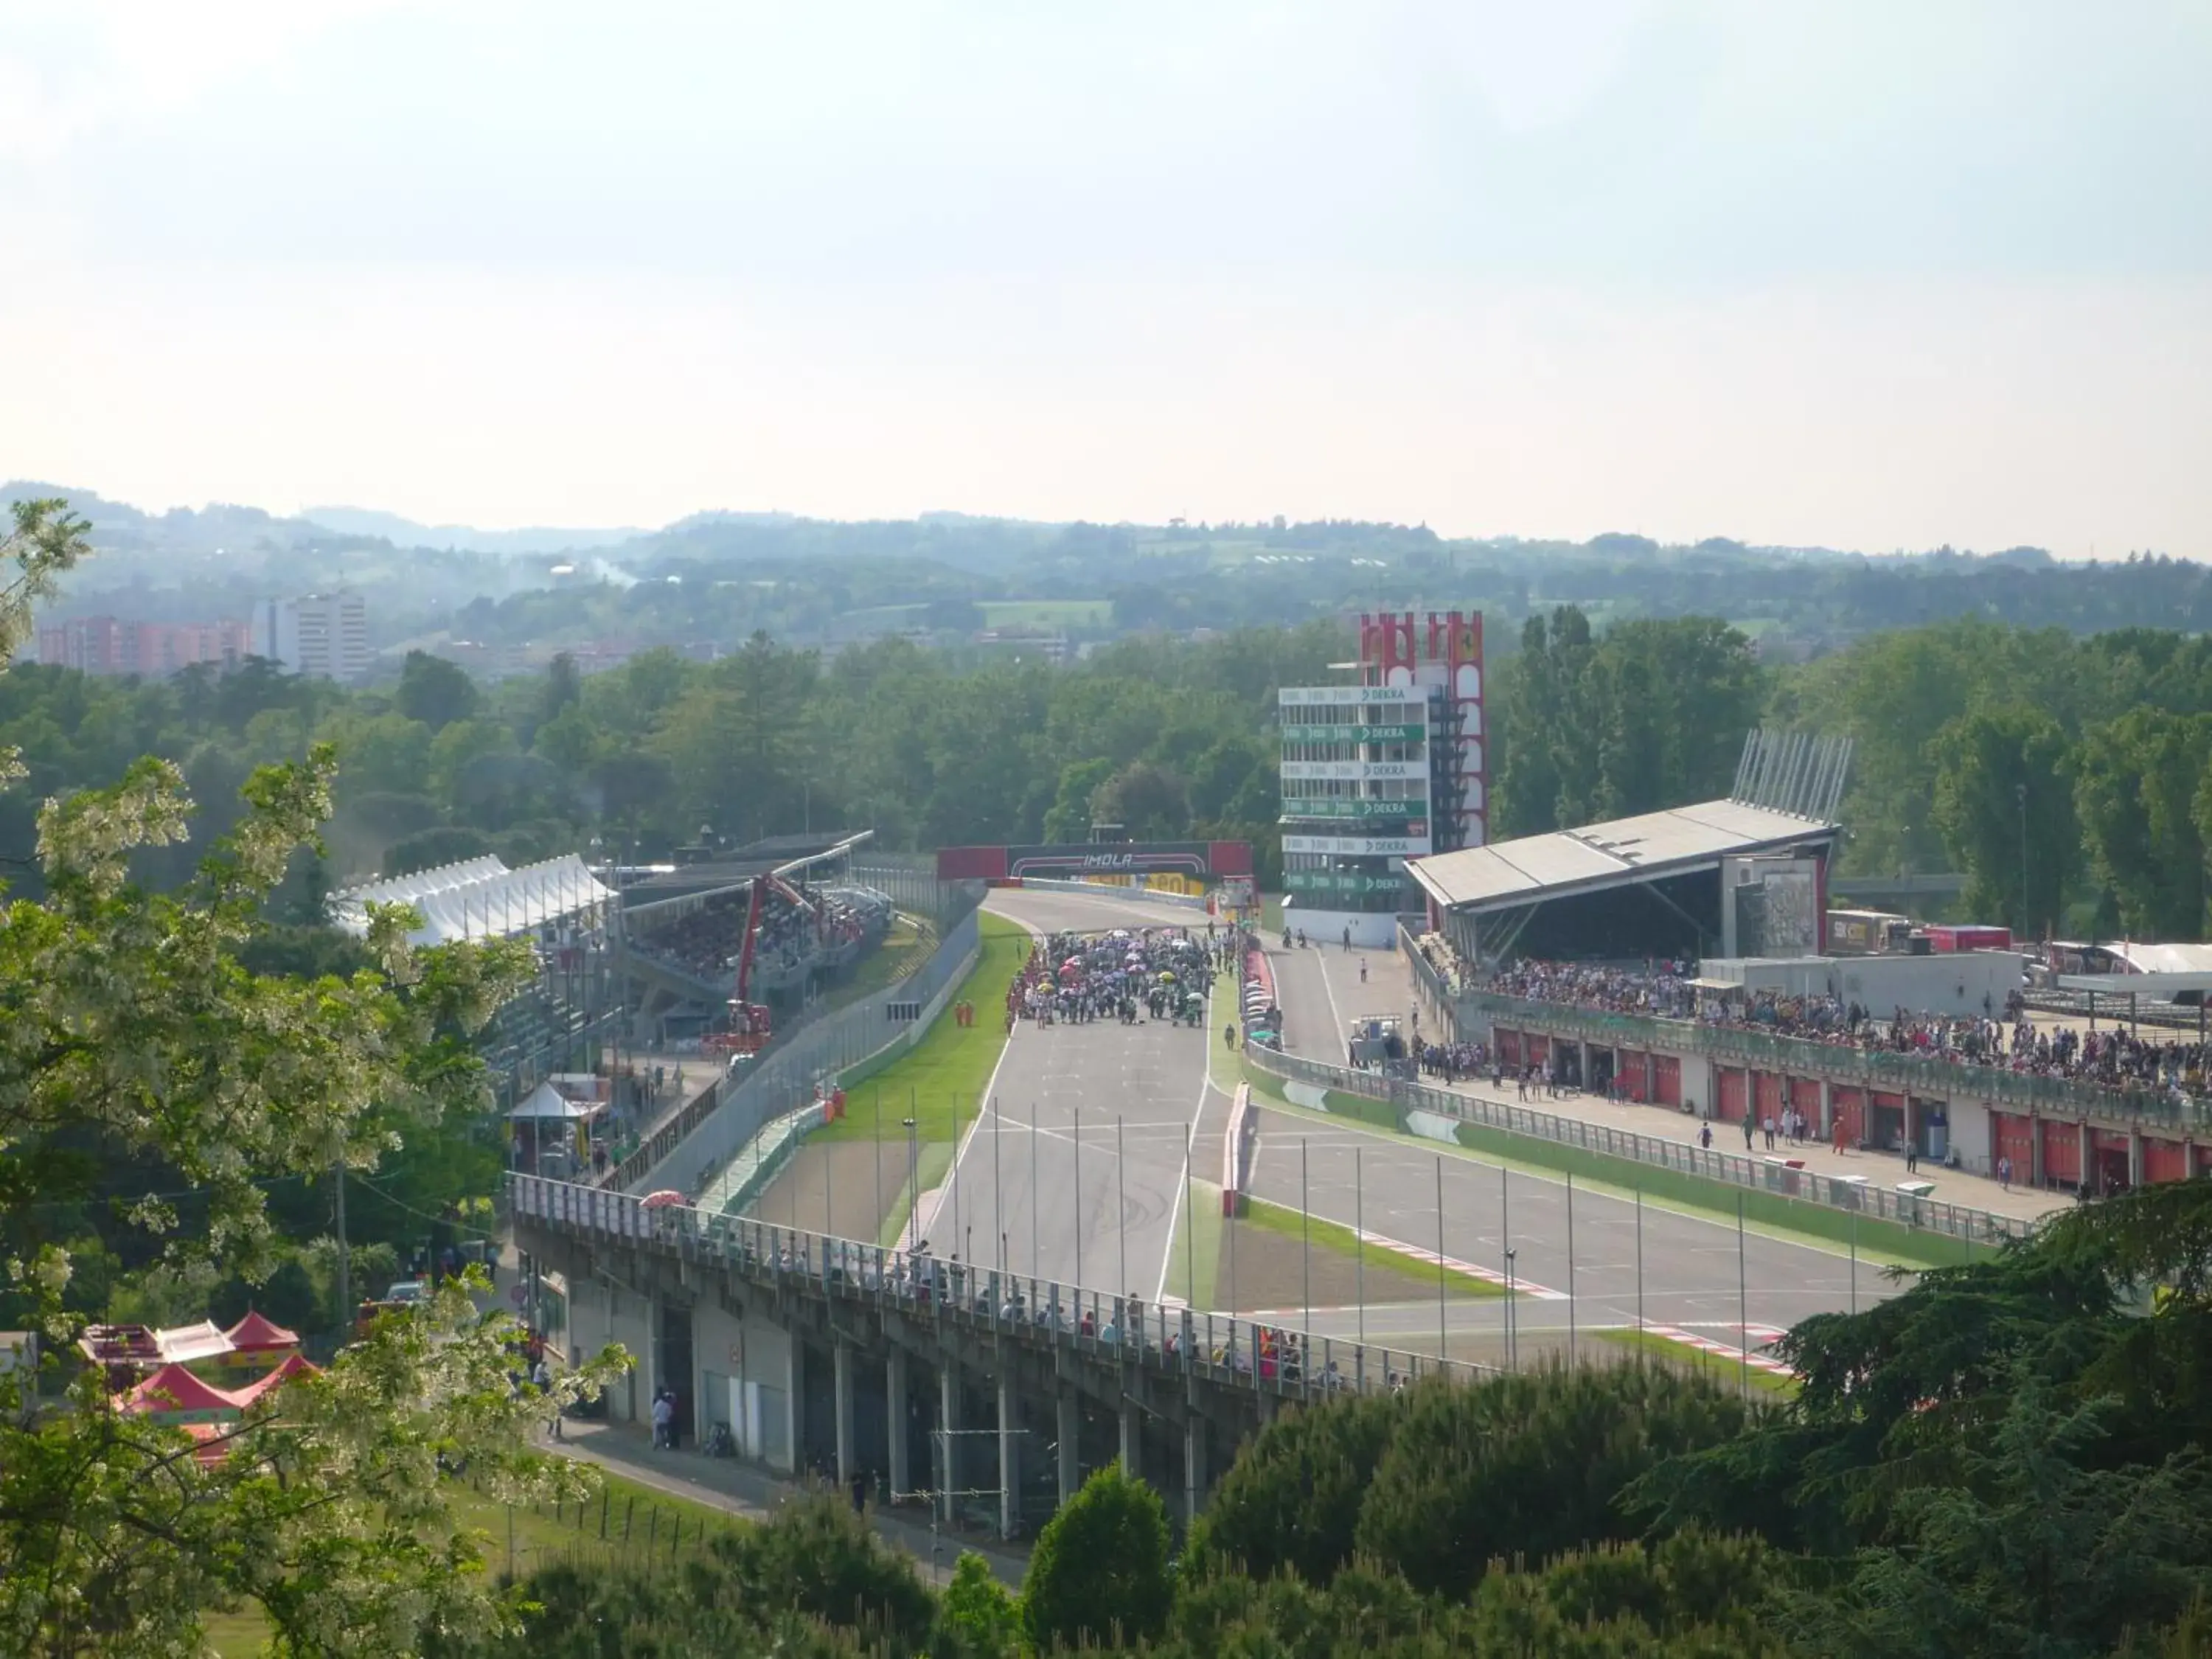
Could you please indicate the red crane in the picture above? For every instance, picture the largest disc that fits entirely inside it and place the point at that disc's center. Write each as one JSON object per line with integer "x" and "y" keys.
{"x": 752, "y": 1023}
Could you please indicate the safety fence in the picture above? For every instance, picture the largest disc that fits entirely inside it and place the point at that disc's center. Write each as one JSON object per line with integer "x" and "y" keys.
{"x": 716, "y": 1126}
{"x": 1038, "y": 1313}
{"x": 1772, "y": 1174}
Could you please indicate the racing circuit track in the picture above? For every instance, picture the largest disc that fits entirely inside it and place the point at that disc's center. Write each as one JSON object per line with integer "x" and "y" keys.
{"x": 1076, "y": 1081}
{"x": 1015, "y": 1195}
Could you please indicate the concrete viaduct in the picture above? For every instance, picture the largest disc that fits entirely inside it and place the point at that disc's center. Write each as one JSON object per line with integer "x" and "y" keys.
{"x": 989, "y": 1396}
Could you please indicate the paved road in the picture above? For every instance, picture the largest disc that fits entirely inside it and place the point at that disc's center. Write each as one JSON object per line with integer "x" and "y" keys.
{"x": 1080, "y": 1190}
{"x": 1690, "y": 1269}
{"x": 1688, "y": 1276}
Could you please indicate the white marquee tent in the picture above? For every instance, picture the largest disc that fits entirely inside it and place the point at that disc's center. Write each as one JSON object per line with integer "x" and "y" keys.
{"x": 478, "y": 899}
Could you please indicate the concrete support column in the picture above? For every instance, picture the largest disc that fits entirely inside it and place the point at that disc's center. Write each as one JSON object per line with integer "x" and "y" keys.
{"x": 2035, "y": 1132}
{"x": 1070, "y": 1426}
{"x": 841, "y": 1365}
{"x": 948, "y": 1419}
{"x": 1193, "y": 1465}
{"x": 1010, "y": 1467}
{"x": 2090, "y": 1181}
{"x": 895, "y": 1385}
{"x": 2134, "y": 1157}
{"x": 1827, "y": 1112}
{"x": 792, "y": 1377}
{"x": 1129, "y": 1443}
{"x": 1582, "y": 1059}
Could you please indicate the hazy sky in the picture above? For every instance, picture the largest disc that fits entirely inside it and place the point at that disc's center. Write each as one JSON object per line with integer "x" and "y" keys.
{"x": 1873, "y": 275}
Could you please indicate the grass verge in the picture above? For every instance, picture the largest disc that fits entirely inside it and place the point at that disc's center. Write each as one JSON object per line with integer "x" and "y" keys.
{"x": 942, "y": 1077}
{"x": 1718, "y": 1367}
{"x": 1771, "y": 1213}
{"x": 1341, "y": 1240}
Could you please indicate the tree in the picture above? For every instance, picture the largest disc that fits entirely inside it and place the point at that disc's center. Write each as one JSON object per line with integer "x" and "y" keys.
{"x": 435, "y": 691}
{"x": 1528, "y": 1465}
{"x": 1099, "y": 1572}
{"x": 429, "y": 848}
{"x": 1549, "y": 775}
{"x": 564, "y": 688}
{"x": 2004, "y": 802}
{"x": 1292, "y": 1500}
{"x": 976, "y": 1617}
{"x": 1147, "y": 799}
{"x": 1069, "y": 818}
{"x": 2137, "y": 785}
{"x": 129, "y": 1024}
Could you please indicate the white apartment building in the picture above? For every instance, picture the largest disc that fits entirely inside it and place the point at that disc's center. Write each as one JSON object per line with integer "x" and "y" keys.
{"x": 324, "y": 634}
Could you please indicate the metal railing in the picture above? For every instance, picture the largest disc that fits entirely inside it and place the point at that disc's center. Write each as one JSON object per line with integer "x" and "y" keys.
{"x": 1929, "y": 1076}
{"x": 1174, "y": 1340}
{"x": 1729, "y": 1168}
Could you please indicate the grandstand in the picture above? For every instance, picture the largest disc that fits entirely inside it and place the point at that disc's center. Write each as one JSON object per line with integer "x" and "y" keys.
{"x": 1742, "y": 877}
{"x": 565, "y": 913}
{"x": 681, "y": 952}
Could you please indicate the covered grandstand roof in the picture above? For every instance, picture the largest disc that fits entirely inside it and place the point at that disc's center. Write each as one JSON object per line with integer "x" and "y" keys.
{"x": 1567, "y": 862}
{"x": 478, "y": 898}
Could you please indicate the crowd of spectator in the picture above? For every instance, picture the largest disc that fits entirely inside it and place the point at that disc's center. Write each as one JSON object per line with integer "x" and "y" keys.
{"x": 708, "y": 941}
{"x": 2006, "y": 1038}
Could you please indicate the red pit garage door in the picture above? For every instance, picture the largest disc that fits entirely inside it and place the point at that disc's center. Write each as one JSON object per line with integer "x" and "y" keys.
{"x": 1508, "y": 1049}
{"x": 1537, "y": 1051}
{"x": 2165, "y": 1160}
{"x": 2013, "y": 1136}
{"x": 1667, "y": 1080}
{"x": 1635, "y": 1075}
{"x": 1805, "y": 1101}
{"x": 1850, "y": 1107}
{"x": 1729, "y": 1103}
{"x": 2062, "y": 1151}
{"x": 1767, "y": 1094}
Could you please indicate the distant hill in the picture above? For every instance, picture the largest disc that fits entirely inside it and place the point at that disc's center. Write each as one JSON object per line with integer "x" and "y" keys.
{"x": 466, "y": 539}
{"x": 118, "y": 524}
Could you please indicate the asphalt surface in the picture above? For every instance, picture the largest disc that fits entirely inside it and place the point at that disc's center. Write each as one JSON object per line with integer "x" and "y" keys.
{"x": 1093, "y": 1194}
{"x": 1690, "y": 1274}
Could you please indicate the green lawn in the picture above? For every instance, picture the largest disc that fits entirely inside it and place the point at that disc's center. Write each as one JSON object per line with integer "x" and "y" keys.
{"x": 1340, "y": 1240}
{"x": 1719, "y": 1367}
{"x": 639, "y": 1523}
{"x": 942, "y": 1077}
